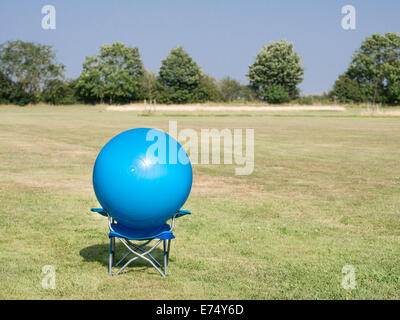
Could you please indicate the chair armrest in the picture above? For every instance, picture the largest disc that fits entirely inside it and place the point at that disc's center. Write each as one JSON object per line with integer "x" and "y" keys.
{"x": 99, "y": 211}
{"x": 182, "y": 213}
{"x": 179, "y": 214}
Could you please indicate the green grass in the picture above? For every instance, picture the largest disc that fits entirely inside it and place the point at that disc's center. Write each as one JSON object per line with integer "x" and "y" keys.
{"x": 324, "y": 194}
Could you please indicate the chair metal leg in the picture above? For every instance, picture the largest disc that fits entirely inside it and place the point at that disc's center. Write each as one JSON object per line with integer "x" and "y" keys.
{"x": 165, "y": 256}
{"x": 122, "y": 259}
{"x": 169, "y": 248}
{"x": 139, "y": 247}
{"x": 111, "y": 255}
{"x": 144, "y": 254}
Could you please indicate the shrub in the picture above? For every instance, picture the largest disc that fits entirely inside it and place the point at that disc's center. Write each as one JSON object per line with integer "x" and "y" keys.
{"x": 275, "y": 94}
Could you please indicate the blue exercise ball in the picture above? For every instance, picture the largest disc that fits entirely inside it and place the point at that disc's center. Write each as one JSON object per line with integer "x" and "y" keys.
{"x": 142, "y": 177}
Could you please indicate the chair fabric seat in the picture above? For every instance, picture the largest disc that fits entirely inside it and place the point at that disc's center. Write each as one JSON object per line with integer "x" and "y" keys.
{"x": 121, "y": 231}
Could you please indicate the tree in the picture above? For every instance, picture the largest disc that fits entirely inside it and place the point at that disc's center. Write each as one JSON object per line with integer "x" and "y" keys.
{"x": 230, "y": 89}
{"x": 374, "y": 70}
{"x": 11, "y": 92}
{"x": 208, "y": 90}
{"x": 6, "y": 89}
{"x": 247, "y": 93}
{"x": 115, "y": 75}
{"x": 276, "y": 72}
{"x": 347, "y": 90}
{"x": 30, "y": 65}
{"x": 149, "y": 84}
{"x": 179, "y": 77}
{"x": 59, "y": 92}
{"x": 394, "y": 93}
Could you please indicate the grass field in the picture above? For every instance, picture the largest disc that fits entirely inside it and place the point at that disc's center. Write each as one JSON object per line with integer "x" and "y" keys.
{"x": 324, "y": 194}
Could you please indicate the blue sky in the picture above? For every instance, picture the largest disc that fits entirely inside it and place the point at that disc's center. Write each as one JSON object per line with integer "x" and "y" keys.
{"x": 222, "y": 36}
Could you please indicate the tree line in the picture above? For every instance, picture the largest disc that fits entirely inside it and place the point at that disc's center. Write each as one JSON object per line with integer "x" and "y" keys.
{"x": 30, "y": 73}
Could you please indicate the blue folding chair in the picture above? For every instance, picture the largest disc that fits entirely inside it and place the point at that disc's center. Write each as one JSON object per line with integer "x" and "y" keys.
{"x": 127, "y": 235}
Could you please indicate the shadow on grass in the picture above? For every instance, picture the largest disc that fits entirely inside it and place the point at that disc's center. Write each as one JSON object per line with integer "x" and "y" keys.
{"x": 100, "y": 253}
